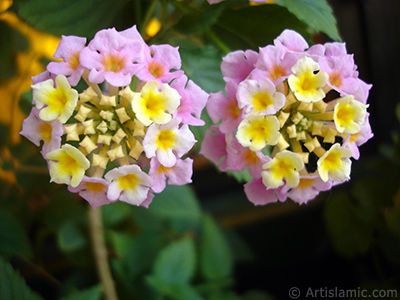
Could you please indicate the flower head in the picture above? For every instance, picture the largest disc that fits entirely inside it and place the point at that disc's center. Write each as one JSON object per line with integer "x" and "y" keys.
{"x": 137, "y": 118}
{"x": 280, "y": 122}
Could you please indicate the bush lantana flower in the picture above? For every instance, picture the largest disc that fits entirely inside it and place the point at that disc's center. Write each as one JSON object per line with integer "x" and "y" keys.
{"x": 292, "y": 116}
{"x": 126, "y": 133}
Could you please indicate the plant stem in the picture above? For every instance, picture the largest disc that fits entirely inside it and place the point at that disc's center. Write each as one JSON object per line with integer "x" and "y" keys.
{"x": 100, "y": 253}
{"x": 220, "y": 44}
{"x": 147, "y": 17}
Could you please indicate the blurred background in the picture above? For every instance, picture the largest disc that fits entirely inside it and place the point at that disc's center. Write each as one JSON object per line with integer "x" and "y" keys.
{"x": 206, "y": 240}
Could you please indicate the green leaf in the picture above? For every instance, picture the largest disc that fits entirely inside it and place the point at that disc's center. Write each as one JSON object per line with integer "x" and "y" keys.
{"x": 70, "y": 237}
{"x": 316, "y": 13}
{"x": 202, "y": 65}
{"x": 350, "y": 234}
{"x": 177, "y": 203}
{"x": 158, "y": 284}
{"x": 135, "y": 254}
{"x": 12, "y": 236}
{"x": 93, "y": 293}
{"x": 198, "y": 20}
{"x": 176, "y": 263}
{"x": 184, "y": 292}
{"x": 12, "y": 285}
{"x": 69, "y": 17}
{"x": 216, "y": 256}
{"x": 256, "y": 26}
{"x": 115, "y": 214}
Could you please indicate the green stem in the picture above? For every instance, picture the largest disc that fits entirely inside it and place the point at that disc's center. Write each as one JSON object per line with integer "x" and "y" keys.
{"x": 221, "y": 45}
{"x": 100, "y": 253}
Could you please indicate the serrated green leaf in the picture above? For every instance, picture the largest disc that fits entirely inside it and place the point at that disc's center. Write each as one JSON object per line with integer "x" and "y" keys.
{"x": 256, "y": 26}
{"x": 216, "y": 256}
{"x": 12, "y": 285}
{"x": 12, "y": 236}
{"x": 69, "y": 17}
{"x": 316, "y": 13}
{"x": 176, "y": 263}
{"x": 93, "y": 293}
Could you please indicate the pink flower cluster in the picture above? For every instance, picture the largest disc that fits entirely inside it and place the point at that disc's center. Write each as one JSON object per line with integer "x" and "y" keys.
{"x": 125, "y": 134}
{"x": 292, "y": 116}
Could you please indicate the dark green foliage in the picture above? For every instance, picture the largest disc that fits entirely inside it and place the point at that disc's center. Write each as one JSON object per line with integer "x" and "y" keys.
{"x": 12, "y": 285}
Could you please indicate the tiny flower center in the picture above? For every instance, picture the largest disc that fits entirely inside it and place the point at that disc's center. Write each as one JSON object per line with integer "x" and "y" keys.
{"x": 334, "y": 79}
{"x": 261, "y": 101}
{"x": 96, "y": 187}
{"x": 69, "y": 164}
{"x": 154, "y": 104}
{"x": 58, "y": 99}
{"x": 331, "y": 161}
{"x": 282, "y": 168}
{"x": 276, "y": 72}
{"x": 305, "y": 183}
{"x": 165, "y": 139}
{"x": 128, "y": 182}
{"x": 156, "y": 69}
{"x": 233, "y": 109}
{"x": 307, "y": 83}
{"x": 345, "y": 114}
{"x": 250, "y": 157}
{"x": 45, "y": 130}
{"x": 162, "y": 169}
{"x": 113, "y": 63}
{"x": 353, "y": 138}
{"x": 74, "y": 61}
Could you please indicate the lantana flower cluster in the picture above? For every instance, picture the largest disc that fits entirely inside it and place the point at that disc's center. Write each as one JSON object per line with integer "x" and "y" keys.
{"x": 126, "y": 132}
{"x": 293, "y": 116}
